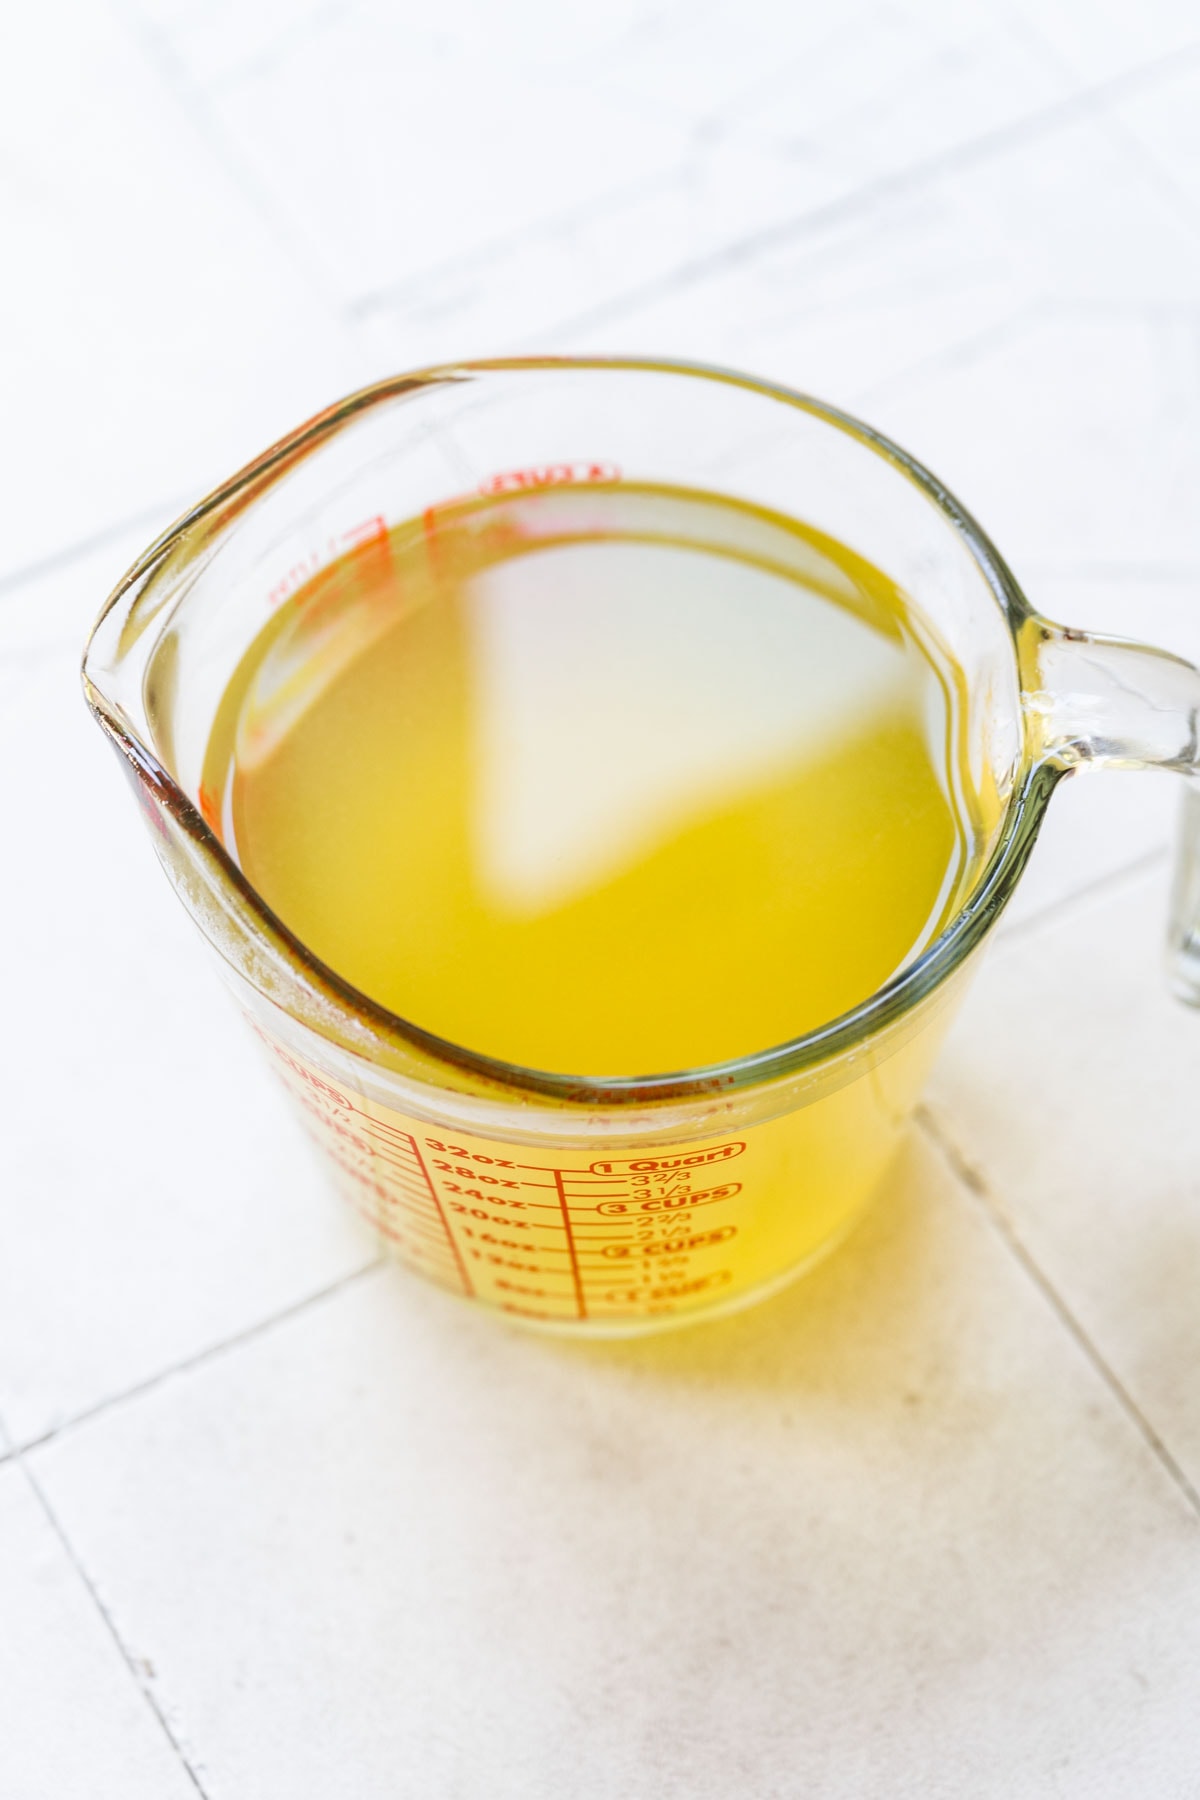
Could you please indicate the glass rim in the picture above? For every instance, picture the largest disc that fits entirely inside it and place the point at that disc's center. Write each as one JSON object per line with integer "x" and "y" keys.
{"x": 884, "y": 1007}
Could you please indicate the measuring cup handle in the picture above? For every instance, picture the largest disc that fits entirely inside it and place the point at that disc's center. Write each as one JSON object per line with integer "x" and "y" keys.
{"x": 1099, "y": 702}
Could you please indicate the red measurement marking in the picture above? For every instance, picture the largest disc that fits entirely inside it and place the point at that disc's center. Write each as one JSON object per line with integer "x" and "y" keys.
{"x": 210, "y": 811}
{"x": 301, "y": 1069}
{"x": 576, "y": 1277}
{"x": 295, "y": 578}
{"x": 409, "y": 1242}
{"x": 146, "y": 796}
{"x": 524, "y": 481}
{"x": 453, "y": 1242}
{"x": 673, "y": 1290}
{"x": 563, "y": 474}
{"x": 671, "y": 1246}
{"x": 669, "y": 1202}
{"x": 654, "y": 1165}
{"x": 367, "y": 532}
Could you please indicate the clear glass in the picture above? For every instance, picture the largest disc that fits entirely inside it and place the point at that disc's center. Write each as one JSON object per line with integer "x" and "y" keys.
{"x": 608, "y": 1206}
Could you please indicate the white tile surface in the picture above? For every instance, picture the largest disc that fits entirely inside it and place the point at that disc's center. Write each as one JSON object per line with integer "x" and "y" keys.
{"x": 1090, "y": 453}
{"x": 1070, "y": 1085}
{"x": 74, "y": 1724}
{"x": 895, "y": 1534}
{"x": 527, "y": 119}
{"x": 451, "y": 142}
{"x": 1046, "y": 292}
{"x": 157, "y": 335}
{"x": 1068, "y": 430}
{"x": 1104, "y": 39}
{"x": 1096, "y": 826}
{"x": 1166, "y": 124}
{"x": 886, "y": 1536}
{"x": 858, "y": 92}
{"x": 845, "y": 112}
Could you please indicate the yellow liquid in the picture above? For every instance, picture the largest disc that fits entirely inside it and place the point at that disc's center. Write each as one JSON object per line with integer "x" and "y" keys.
{"x": 607, "y": 781}
{"x": 604, "y": 782}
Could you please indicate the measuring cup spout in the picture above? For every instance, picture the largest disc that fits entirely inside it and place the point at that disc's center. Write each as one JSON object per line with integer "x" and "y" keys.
{"x": 1096, "y": 702}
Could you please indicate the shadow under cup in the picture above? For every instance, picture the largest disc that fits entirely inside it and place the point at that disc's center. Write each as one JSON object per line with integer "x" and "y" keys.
{"x": 604, "y": 1206}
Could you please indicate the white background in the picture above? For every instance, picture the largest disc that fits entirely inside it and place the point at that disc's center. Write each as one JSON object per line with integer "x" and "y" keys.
{"x": 274, "y": 1520}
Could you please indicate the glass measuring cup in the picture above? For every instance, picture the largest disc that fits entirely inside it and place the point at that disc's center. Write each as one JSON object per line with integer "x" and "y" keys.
{"x": 575, "y": 1203}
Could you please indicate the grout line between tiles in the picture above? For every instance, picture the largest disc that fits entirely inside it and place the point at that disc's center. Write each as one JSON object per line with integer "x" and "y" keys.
{"x": 1089, "y": 102}
{"x": 959, "y": 353}
{"x": 1170, "y": 573}
{"x": 1046, "y": 119}
{"x": 1126, "y": 137}
{"x": 18, "y": 1457}
{"x": 15, "y": 1452}
{"x": 976, "y": 1185}
{"x": 155, "y": 45}
{"x": 416, "y": 290}
{"x": 1055, "y": 910}
{"x": 1129, "y": 140}
{"x": 7, "y": 1451}
{"x": 127, "y": 1657}
{"x": 109, "y": 534}
{"x": 269, "y": 59}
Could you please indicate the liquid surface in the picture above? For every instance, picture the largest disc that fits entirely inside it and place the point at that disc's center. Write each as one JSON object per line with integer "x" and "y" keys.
{"x": 607, "y": 781}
